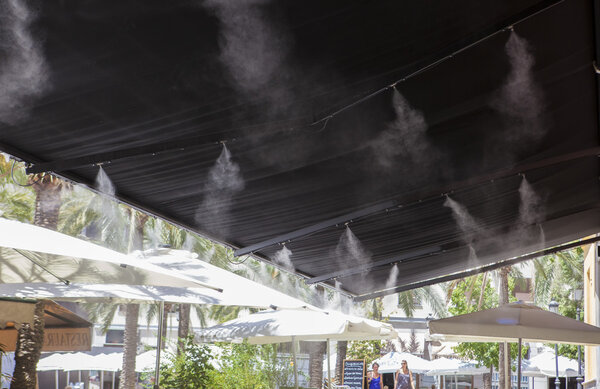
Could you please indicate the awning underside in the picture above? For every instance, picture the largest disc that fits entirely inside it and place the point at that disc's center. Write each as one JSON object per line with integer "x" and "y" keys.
{"x": 489, "y": 154}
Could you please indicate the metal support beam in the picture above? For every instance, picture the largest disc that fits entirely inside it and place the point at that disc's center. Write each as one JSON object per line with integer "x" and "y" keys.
{"x": 479, "y": 270}
{"x": 416, "y": 254}
{"x": 419, "y": 198}
{"x": 316, "y": 227}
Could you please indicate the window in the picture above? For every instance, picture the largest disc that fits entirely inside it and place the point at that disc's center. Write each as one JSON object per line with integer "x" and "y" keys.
{"x": 115, "y": 337}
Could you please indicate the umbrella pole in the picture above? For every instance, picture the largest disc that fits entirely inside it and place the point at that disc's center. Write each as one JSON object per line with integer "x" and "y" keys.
{"x": 161, "y": 312}
{"x": 295, "y": 362}
{"x": 519, "y": 365}
{"x": 101, "y": 379}
{"x": 56, "y": 379}
{"x": 79, "y": 376}
{"x": 112, "y": 385}
{"x": 506, "y": 367}
{"x": 68, "y": 377}
{"x": 328, "y": 365}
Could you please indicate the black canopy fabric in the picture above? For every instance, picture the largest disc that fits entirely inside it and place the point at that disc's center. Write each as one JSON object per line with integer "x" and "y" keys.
{"x": 444, "y": 135}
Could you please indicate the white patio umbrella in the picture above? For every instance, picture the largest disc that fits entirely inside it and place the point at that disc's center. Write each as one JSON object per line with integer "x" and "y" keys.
{"x": 293, "y": 325}
{"x": 81, "y": 361}
{"x": 391, "y": 362}
{"x": 455, "y": 367}
{"x": 31, "y": 254}
{"x": 53, "y": 362}
{"x": 545, "y": 364}
{"x": 446, "y": 366}
{"x": 515, "y": 322}
{"x": 236, "y": 290}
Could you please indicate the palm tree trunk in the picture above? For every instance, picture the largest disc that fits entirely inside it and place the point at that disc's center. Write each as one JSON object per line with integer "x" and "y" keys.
{"x": 47, "y": 200}
{"x": 342, "y": 349}
{"x": 503, "y": 299}
{"x": 29, "y": 347}
{"x": 315, "y": 363}
{"x": 31, "y": 336}
{"x": 487, "y": 380}
{"x": 184, "y": 326}
{"x": 165, "y": 323}
{"x": 128, "y": 376}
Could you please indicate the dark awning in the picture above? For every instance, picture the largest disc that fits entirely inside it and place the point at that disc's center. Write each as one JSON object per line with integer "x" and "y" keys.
{"x": 376, "y": 114}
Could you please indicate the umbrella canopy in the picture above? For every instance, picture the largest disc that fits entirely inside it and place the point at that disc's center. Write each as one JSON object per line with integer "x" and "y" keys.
{"x": 31, "y": 254}
{"x": 445, "y": 366}
{"x": 545, "y": 365}
{"x": 55, "y": 362}
{"x": 391, "y": 362}
{"x": 237, "y": 290}
{"x": 284, "y": 325}
{"x": 514, "y": 321}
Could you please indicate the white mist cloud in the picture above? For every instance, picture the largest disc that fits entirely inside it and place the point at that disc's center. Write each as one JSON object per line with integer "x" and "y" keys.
{"x": 390, "y": 301}
{"x": 283, "y": 258}
{"x": 404, "y": 140}
{"x": 520, "y": 99}
{"x": 470, "y": 227}
{"x": 24, "y": 73}
{"x": 252, "y": 49}
{"x": 531, "y": 207}
{"x": 350, "y": 251}
{"x": 524, "y": 232}
{"x": 224, "y": 181}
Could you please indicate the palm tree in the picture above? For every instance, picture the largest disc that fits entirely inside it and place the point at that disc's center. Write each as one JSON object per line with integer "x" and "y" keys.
{"x": 130, "y": 342}
{"x": 31, "y": 336}
{"x": 17, "y": 202}
{"x": 315, "y": 363}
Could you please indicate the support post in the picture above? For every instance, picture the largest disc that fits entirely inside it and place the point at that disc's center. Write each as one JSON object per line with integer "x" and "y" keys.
{"x": 519, "y": 364}
{"x": 328, "y": 365}
{"x": 556, "y": 380}
{"x": 295, "y": 362}
{"x": 161, "y": 313}
{"x": 579, "y": 376}
{"x": 507, "y": 367}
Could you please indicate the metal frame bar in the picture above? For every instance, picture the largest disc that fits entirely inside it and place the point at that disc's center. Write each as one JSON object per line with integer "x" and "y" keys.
{"x": 479, "y": 270}
{"x": 109, "y": 156}
{"x": 419, "y": 198}
{"x": 316, "y": 227}
{"x": 361, "y": 269}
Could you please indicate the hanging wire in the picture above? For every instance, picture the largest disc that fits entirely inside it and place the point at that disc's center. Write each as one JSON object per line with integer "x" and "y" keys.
{"x": 238, "y": 262}
{"x": 12, "y": 176}
{"x": 437, "y": 62}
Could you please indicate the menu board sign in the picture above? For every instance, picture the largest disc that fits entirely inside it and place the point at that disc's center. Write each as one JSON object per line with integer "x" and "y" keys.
{"x": 354, "y": 373}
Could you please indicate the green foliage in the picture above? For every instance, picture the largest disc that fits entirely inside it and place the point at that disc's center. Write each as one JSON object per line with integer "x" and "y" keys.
{"x": 191, "y": 369}
{"x": 16, "y": 202}
{"x": 368, "y": 350}
{"x": 557, "y": 275}
{"x": 245, "y": 366}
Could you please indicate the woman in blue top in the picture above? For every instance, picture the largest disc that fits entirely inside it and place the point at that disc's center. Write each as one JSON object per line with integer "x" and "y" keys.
{"x": 374, "y": 378}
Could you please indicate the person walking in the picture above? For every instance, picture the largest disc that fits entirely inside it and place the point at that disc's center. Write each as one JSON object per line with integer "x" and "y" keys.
{"x": 374, "y": 378}
{"x": 403, "y": 378}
